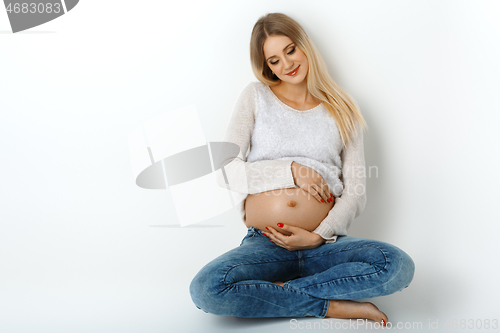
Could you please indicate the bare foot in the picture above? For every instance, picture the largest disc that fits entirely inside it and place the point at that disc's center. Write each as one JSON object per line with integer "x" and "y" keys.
{"x": 279, "y": 283}
{"x": 346, "y": 309}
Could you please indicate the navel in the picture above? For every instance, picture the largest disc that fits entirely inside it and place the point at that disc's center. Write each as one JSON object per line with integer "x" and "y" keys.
{"x": 291, "y": 203}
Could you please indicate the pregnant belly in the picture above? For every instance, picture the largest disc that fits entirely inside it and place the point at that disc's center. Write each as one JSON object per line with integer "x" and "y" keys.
{"x": 292, "y": 206}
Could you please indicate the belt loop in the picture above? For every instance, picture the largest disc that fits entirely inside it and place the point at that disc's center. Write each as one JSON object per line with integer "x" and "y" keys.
{"x": 252, "y": 231}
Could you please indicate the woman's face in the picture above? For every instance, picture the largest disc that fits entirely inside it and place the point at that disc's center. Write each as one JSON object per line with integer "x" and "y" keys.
{"x": 284, "y": 57}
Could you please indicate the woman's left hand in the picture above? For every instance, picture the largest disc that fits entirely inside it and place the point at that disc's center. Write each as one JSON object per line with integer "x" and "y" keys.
{"x": 300, "y": 239}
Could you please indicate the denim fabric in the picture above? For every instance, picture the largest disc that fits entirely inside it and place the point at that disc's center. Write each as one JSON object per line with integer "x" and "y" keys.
{"x": 239, "y": 282}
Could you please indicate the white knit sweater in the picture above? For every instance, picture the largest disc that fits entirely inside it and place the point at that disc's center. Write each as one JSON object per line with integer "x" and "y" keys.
{"x": 277, "y": 135}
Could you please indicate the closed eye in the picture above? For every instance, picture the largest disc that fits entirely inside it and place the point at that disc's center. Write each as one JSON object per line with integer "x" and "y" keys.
{"x": 291, "y": 52}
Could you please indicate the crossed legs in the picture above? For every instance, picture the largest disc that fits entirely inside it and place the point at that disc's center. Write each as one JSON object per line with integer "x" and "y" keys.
{"x": 260, "y": 279}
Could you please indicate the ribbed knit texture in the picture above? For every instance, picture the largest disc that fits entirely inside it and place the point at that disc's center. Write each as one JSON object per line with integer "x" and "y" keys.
{"x": 276, "y": 135}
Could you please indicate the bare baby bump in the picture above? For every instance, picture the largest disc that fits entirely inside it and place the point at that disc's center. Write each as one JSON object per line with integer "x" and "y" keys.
{"x": 292, "y": 206}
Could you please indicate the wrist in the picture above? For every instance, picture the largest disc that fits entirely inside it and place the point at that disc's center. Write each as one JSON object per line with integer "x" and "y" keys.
{"x": 319, "y": 240}
{"x": 292, "y": 168}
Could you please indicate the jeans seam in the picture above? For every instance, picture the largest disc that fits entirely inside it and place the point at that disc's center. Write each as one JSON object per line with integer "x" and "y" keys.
{"x": 256, "y": 263}
{"x": 301, "y": 265}
{"x": 392, "y": 278}
{"x": 272, "y": 285}
{"x": 359, "y": 247}
{"x": 325, "y": 309}
{"x": 325, "y": 306}
{"x": 346, "y": 277}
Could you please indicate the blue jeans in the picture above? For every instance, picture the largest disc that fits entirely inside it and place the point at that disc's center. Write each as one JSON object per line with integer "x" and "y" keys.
{"x": 239, "y": 282}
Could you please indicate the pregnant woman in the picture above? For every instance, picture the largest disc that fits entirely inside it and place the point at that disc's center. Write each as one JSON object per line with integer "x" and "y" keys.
{"x": 302, "y": 184}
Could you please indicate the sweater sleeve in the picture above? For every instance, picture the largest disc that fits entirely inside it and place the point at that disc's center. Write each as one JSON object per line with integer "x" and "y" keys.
{"x": 352, "y": 202}
{"x": 250, "y": 177}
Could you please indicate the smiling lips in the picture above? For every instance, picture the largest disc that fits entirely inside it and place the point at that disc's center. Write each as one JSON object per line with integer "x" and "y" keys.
{"x": 294, "y": 71}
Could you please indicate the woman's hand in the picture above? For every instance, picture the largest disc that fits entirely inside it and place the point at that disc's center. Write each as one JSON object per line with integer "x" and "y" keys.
{"x": 311, "y": 182}
{"x": 300, "y": 239}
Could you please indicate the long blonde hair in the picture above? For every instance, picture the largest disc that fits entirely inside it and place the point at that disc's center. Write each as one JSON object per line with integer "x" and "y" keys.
{"x": 338, "y": 102}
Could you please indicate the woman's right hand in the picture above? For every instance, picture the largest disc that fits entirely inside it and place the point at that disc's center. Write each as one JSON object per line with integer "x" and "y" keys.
{"x": 311, "y": 182}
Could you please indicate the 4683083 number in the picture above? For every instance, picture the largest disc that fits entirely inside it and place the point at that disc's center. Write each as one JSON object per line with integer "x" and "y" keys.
{"x": 27, "y": 8}
{"x": 476, "y": 324}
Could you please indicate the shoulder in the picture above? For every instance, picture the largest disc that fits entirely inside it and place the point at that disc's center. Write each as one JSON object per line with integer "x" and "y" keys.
{"x": 253, "y": 87}
{"x": 253, "y": 92}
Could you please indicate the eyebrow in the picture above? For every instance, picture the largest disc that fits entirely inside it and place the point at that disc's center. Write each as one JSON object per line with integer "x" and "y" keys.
{"x": 283, "y": 50}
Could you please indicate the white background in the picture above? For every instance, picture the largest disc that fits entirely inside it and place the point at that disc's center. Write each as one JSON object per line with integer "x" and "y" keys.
{"x": 83, "y": 249}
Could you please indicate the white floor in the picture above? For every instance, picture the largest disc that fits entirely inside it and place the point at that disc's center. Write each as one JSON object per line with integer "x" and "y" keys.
{"x": 135, "y": 278}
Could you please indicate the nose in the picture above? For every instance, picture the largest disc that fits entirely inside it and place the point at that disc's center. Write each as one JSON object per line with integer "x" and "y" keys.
{"x": 288, "y": 65}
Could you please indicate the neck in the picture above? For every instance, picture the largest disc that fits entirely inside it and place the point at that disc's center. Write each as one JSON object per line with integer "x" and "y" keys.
{"x": 297, "y": 93}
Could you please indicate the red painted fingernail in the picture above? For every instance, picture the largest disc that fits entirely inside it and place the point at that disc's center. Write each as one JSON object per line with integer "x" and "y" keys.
{"x": 331, "y": 195}
{"x": 264, "y": 233}
{"x": 280, "y": 225}
{"x": 271, "y": 241}
{"x": 322, "y": 200}
{"x": 267, "y": 228}
{"x": 383, "y": 322}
